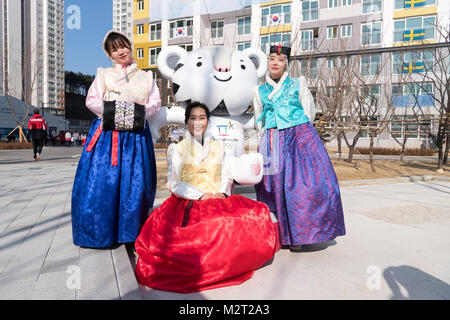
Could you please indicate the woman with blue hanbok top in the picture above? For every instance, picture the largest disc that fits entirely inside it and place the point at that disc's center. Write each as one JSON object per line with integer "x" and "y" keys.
{"x": 299, "y": 182}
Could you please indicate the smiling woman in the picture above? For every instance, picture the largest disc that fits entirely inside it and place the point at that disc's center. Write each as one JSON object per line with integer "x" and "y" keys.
{"x": 115, "y": 183}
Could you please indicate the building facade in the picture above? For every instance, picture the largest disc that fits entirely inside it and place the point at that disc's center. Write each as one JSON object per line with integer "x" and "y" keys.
{"x": 10, "y": 49}
{"x": 389, "y": 44}
{"x": 32, "y": 50}
{"x": 123, "y": 17}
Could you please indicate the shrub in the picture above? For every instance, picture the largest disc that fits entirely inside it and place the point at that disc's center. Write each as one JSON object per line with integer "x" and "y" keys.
{"x": 15, "y": 145}
{"x": 395, "y": 151}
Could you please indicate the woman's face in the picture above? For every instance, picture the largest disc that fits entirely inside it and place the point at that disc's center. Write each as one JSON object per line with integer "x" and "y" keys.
{"x": 197, "y": 122}
{"x": 121, "y": 55}
{"x": 277, "y": 65}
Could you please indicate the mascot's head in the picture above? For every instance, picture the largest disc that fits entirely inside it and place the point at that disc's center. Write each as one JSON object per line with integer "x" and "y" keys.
{"x": 224, "y": 79}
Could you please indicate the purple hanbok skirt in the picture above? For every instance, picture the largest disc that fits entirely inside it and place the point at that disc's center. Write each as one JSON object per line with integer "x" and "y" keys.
{"x": 300, "y": 186}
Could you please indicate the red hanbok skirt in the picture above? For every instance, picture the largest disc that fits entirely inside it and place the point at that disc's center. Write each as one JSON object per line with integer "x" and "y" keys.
{"x": 191, "y": 245}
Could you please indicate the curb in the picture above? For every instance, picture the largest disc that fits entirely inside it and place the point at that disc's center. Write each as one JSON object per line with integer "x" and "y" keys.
{"x": 239, "y": 189}
{"x": 346, "y": 183}
{"x": 126, "y": 280}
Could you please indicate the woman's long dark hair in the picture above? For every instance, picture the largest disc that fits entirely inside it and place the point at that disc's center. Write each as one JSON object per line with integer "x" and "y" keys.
{"x": 193, "y": 105}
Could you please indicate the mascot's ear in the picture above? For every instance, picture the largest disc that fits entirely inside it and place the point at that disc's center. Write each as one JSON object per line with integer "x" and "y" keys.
{"x": 259, "y": 59}
{"x": 168, "y": 59}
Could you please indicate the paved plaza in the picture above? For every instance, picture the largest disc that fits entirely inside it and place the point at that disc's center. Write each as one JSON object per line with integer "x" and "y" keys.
{"x": 396, "y": 246}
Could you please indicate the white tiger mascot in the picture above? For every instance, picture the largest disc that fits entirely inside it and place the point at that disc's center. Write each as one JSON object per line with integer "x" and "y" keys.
{"x": 224, "y": 80}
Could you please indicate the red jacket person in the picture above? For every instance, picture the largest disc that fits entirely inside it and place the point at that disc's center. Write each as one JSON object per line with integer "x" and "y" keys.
{"x": 37, "y": 128}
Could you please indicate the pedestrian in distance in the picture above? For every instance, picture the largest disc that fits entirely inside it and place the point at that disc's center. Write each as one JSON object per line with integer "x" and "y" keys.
{"x": 68, "y": 138}
{"x": 37, "y": 131}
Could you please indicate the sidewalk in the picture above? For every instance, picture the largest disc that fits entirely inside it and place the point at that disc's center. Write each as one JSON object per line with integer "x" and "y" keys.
{"x": 396, "y": 247}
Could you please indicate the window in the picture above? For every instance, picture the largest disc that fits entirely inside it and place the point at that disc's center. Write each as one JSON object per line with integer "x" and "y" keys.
{"x": 346, "y": 31}
{"x": 346, "y": 3}
{"x": 333, "y": 3}
{"x": 372, "y": 6}
{"x": 411, "y": 94}
{"x": 400, "y": 4}
{"x": 140, "y": 53}
{"x": 371, "y": 33}
{"x": 332, "y": 32}
{"x": 310, "y": 39}
{"x": 274, "y": 39}
{"x": 310, "y": 10}
{"x": 425, "y": 125}
{"x": 421, "y": 61}
{"x": 155, "y": 31}
{"x": 309, "y": 68}
{"x": 187, "y": 47}
{"x": 140, "y": 5}
{"x": 242, "y": 46}
{"x": 369, "y": 122}
{"x": 423, "y": 27}
{"x": 180, "y": 28}
{"x": 244, "y": 25}
{"x": 331, "y": 63}
{"x": 276, "y": 15}
{"x": 217, "y": 29}
{"x": 408, "y": 126}
{"x": 154, "y": 55}
{"x": 140, "y": 29}
{"x": 370, "y": 65}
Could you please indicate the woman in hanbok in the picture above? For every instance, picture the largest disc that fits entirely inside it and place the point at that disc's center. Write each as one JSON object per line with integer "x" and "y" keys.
{"x": 202, "y": 237}
{"x": 115, "y": 182}
{"x": 299, "y": 183}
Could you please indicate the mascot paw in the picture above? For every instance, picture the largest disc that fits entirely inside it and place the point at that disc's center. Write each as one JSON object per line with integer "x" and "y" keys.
{"x": 248, "y": 169}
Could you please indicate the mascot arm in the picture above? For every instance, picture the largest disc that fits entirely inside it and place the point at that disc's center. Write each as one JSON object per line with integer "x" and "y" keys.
{"x": 174, "y": 184}
{"x": 153, "y": 104}
{"x": 307, "y": 100}
{"x": 165, "y": 116}
{"x": 94, "y": 99}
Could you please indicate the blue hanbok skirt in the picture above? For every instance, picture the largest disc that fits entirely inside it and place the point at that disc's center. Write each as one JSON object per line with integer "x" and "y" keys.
{"x": 110, "y": 201}
{"x": 300, "y": 186}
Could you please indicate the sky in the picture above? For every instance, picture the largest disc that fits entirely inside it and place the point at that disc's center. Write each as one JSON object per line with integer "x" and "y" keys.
{"x": 83, "y": 44}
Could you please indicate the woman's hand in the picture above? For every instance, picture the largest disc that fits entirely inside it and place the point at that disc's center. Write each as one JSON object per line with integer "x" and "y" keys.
{"x": 207, "y": 196}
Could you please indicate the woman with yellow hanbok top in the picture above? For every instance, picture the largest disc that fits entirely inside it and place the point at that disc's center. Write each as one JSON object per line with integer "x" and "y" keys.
{"x": 202, "y": 237}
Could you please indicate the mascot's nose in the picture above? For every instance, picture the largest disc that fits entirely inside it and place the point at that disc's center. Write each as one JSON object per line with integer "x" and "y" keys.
{"x": 221, "y": 68}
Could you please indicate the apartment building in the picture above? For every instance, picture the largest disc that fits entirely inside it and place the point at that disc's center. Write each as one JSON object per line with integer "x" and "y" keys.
{"x": 390, "y": 43}
{"x": 10, "y": 50}
{"x": 385, "y": 39}
{"x": 123, "y": 17}
{"x": 32, "y": 50}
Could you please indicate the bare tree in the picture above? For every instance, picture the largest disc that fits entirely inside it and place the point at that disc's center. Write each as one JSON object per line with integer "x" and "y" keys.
{"x": 27, "y": 87}
{"x": 430, "y": 91}
{"x": 366, "y": 116}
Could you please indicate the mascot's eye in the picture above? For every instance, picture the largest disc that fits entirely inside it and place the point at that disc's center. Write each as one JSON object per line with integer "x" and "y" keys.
{"x": 199, "y": 64}
{"x": 178, "y": 66}
{"x": 243, "y": 67}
